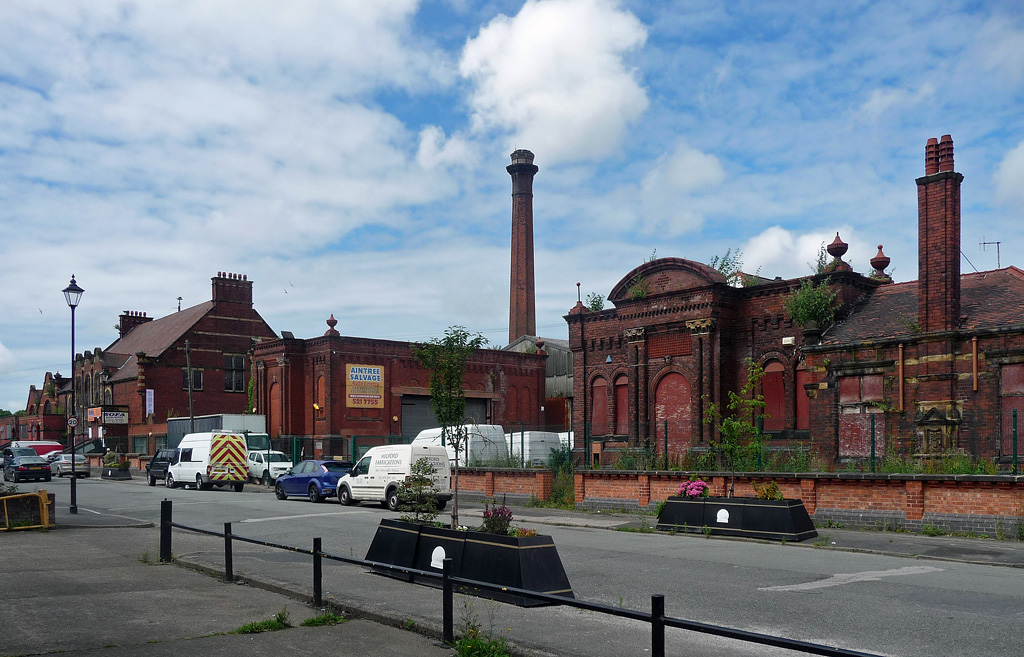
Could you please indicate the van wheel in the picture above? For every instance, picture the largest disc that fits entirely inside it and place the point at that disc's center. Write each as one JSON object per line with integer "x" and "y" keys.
{"x": 344, "y": 496}
{"x": 266, "y": 478}
{"x": 152, "y": 479}
{"x": 314, "y": 494}
{"x": 200, "y": 485}
{"x": 392, "y": 501}
{"x": 169, "y": 481}
{"x": 441, "y": 504}
{"x": 279, "y": 492}
{"x": 239, "y": 487}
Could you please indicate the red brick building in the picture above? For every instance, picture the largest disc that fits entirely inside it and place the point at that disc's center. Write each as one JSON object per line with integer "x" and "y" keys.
{"x": 939, "y": 361}
{"x": 344, "y": 393}
{"x": 43, "y": 418}
{"x": 126, "y": 392}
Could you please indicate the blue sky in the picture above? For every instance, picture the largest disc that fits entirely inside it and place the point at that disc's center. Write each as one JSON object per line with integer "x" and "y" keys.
{"x": 349, "y": 157}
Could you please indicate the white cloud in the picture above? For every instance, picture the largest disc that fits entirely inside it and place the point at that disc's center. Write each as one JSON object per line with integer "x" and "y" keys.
{"x": 777, "y": 251}
{"x": 554, "y": 76}
{"x": 436, "y": 150}
{"x": 882, "y": 101}
{"x": 1009, "y": 178}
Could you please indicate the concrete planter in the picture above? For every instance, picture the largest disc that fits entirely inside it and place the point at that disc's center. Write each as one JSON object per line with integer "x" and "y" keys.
{"x": 115, "y": 473}
{"x": 530, "y": 563}
{"x": 776, "y": 520}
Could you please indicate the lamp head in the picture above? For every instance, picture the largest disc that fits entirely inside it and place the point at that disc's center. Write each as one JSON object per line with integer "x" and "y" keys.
{"x": 73, "y": 293}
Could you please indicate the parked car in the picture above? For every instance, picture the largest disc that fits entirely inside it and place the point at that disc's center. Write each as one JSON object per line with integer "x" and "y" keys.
{"x": 61, "y": 465}
{"x": 10, "y": 453}
{"x": 156, "y": 467}
{"x": 315, "y": 479}
{"x": 266, "y": 466}
{"x": 22, "y": 468}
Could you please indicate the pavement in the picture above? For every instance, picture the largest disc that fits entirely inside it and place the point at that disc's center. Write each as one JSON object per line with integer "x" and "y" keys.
{"x": 94, "y": 583}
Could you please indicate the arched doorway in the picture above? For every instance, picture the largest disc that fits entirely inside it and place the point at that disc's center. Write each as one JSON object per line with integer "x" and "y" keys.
{"x": 672, "y": 409}
{"x": 773, "y": 387}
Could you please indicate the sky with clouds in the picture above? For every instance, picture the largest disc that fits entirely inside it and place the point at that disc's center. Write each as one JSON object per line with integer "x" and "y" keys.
{"x": 349, "y": 156}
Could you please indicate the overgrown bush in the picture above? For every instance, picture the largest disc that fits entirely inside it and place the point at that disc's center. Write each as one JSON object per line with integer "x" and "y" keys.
{"x": 497, "y": 519}
{"x": 812, "y": 303}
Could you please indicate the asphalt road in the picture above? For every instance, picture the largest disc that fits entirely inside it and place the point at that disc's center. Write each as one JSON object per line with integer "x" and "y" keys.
{"x": 891, "y": 605}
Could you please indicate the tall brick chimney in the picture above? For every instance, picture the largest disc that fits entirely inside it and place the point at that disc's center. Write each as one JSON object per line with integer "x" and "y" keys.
{"x": 234, "y": 288}
{"x": 522, "y": 311}
{"x": 938, "y": 239}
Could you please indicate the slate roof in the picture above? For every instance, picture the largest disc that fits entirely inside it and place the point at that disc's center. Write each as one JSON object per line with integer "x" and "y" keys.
{"x": 988, "y": 300}
{"x": 153, "y": 338}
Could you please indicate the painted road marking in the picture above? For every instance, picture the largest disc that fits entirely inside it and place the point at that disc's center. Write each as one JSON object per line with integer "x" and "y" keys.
{"x": 303, "y": 515}
{"x": 853, "y": 578}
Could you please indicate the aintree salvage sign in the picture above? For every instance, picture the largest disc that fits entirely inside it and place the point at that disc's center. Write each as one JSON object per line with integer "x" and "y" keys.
{"x": 364, "y": 386}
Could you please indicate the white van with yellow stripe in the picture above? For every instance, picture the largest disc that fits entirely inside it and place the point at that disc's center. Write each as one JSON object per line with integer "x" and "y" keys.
{"x": 209, "y": 459}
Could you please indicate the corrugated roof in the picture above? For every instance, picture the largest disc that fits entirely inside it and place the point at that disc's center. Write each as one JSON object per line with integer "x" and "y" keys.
{"x": 988, "y": 300}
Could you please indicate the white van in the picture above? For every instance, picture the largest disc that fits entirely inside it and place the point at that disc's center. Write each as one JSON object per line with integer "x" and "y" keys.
{"x": 483, "y": 442}
{"x": 266, "y": 466}
{"x": 209, "y": 459}
{"x": 377, "y": 475}
{"x": 533, "y": 448}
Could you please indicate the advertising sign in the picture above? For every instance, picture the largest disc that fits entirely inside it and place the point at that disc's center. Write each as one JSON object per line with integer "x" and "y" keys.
{"x": 149, "y": 401}
{"x": 115, "y": 417}
{"x": 364, "y": 386}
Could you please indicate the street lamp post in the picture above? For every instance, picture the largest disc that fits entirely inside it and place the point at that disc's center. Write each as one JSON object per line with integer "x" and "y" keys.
{"x": 73, "y": 294}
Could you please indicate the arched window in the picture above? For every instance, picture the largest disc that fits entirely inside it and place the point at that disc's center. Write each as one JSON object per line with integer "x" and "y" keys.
{"x": 621, "y": 405}
{"x": 46, "y": 408}
{"x": 599, "y": 407}
{"x": 773, "y": 388}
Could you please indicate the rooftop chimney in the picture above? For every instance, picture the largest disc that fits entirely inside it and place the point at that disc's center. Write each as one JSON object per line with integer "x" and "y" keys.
{"x": 522, "y": 312}
{"x": 234, "y": 288}
{"x": 129, "y": 319}
{"x": 938, "y": 239}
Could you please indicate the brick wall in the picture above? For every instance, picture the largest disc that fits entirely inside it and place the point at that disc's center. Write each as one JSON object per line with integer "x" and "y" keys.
{"x": 981, "y": 504}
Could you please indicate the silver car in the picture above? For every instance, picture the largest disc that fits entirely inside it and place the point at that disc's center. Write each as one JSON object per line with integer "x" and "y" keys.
{"x": 61, "y": 465}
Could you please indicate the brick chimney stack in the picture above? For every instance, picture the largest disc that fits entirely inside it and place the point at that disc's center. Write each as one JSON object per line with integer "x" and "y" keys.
{"x": 234, "y": 288}
{"x": 938, "y": 239}
{"x": 129, "y": 319}
{"x": 522, "y": 311}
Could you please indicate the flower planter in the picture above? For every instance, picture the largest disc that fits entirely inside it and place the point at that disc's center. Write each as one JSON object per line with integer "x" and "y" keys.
{"x": 531, "y": 563}
{"x": 115, "y": 473}
{"x": 777, "y": 520}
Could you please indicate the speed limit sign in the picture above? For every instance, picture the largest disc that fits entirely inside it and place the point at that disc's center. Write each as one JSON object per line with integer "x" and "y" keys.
{"x": 72, "y": 421}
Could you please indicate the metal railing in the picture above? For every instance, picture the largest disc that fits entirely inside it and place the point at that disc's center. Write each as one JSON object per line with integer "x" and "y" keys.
{"x": 656, "y": 617}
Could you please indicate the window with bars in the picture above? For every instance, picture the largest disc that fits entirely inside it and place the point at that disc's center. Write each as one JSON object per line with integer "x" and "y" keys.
{"x": 234, "y": 373}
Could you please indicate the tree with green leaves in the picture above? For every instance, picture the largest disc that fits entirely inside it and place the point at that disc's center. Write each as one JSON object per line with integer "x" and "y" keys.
{"x": 595, "y": 302}
{"x": 446, "y": 358}
{"x": 738, "y": 436}
{"x": 730, "y": 265}
{"x": 418, "y": 495}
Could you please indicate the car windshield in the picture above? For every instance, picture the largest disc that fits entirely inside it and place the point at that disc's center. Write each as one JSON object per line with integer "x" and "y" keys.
{"x": 278, "y": 458}
{"x": 334, "y": 466}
